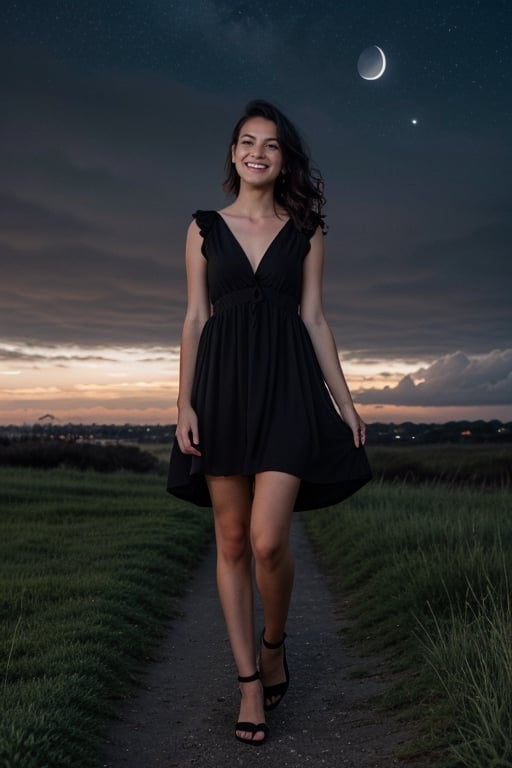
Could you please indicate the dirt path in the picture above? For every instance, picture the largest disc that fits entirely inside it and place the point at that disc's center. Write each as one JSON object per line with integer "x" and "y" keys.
{"x": 184, "y": 714}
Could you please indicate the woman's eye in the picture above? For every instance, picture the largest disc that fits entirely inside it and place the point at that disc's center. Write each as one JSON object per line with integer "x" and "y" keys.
{"x": 272, "y": 146}
{"x": 246, "y": 141}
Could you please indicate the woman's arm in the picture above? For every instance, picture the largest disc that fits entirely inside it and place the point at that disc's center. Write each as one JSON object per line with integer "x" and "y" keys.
{"x": 198, "y": 312}
{"x": 312, "y": 314}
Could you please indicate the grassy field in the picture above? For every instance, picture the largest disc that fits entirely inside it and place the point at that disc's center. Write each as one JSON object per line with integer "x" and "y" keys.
{"x": 480, "y": 466}
{"x": 90, "y": 566}
{"x": 426, "y": 572}
{"x": 92, "y": 562}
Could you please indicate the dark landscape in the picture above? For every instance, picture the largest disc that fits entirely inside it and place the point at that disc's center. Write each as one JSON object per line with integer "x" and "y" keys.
{"x": 95, "y": 555}
{"x": 463, "y": 432}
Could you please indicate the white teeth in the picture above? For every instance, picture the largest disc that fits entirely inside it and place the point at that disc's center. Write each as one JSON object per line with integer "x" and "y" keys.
{"x": 256, "y": 165}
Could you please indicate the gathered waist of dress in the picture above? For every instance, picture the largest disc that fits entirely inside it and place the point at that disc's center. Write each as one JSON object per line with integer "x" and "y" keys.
{"x": 254, "y": 296}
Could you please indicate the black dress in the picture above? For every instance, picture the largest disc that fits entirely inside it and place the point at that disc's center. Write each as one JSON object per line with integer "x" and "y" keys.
{"x": 258, "y": 390}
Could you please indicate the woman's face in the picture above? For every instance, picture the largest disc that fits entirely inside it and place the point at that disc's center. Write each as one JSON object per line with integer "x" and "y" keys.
{"x": 257, "y": 154}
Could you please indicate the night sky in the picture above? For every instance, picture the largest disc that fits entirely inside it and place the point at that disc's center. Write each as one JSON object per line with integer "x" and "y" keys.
{"x": 115, "y": 123}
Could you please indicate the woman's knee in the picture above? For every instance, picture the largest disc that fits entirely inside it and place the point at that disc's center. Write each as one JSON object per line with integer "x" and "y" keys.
{"x": 233, "y": 542}
{"x": 269, "y": 553}
{"x": 232, "y": 514}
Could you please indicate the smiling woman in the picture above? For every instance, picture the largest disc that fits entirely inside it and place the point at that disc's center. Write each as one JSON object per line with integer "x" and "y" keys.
{"x": 258, "y": 433}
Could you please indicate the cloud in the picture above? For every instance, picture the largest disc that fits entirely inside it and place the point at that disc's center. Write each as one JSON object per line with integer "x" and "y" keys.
{"x": 415, "y": 295}
{"x": 24, "y": 220}
{"x": 10, "y": 353}
{"x": 70, "y": 356}
{"x": 101, "y": 171}
{"x": 81, "y": 294}
{"x": 95, "y": 205}
{"x": 453, "y": 380}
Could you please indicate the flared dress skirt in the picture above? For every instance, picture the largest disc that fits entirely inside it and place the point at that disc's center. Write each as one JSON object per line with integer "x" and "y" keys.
{"x": 258, "y": 390}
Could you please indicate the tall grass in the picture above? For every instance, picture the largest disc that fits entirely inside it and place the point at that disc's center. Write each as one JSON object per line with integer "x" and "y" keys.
{"x": 428, "y": 574}
{"x": 471, "y": 656}
{"x": 479, "y": 465}
{"x": 90, "y": 568}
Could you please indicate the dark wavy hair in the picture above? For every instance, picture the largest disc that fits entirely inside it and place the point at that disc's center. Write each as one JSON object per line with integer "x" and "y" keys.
{"x": 301, "y": 189}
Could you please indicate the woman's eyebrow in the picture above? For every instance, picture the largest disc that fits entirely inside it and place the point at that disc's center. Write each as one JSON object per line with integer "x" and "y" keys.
{"x": 250, "y": 136}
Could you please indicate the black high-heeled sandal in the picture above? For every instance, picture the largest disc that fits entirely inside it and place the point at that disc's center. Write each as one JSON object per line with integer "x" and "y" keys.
{"x": 252, "y": 728}
{"x": 279, "y": 689}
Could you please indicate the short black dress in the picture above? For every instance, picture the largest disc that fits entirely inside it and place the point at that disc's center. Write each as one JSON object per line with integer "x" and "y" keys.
{"x": 258, "y": 390}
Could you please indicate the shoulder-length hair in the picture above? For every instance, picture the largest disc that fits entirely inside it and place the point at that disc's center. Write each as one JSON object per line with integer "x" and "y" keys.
{"x": 300, "y": 190}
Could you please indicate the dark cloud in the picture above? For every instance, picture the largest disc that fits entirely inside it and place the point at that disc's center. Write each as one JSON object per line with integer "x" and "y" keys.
{"x": 80, "y": 295}
{"x": 109, "y": 141}
{"x": 29, "y": 357}
{"x": 34, "y": 355}
{"x": 24, "y": 220}
{"x": 453, "y": 380}
{"x": 109, "y": 192}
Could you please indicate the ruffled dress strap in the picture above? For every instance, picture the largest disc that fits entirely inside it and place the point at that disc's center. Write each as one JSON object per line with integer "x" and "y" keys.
{"x": 204, "y": 220}
{"x": 315, "y": 220}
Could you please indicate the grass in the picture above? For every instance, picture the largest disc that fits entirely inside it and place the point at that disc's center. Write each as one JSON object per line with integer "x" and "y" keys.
{"x": 427, "y": 571}
{"x": 91, "y": 567}
{"x": 471, "y": 656}
{"x": 478, "y": 465}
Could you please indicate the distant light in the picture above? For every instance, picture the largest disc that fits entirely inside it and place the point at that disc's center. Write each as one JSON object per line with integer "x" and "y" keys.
{"x": 414, "y": 121}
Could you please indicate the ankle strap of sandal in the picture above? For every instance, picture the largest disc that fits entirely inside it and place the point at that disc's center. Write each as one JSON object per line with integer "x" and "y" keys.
{"x": 272, "y": 646}
{"x": 249, "y": 679}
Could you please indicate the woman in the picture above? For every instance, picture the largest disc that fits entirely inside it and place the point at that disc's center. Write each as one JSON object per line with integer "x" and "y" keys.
{"x": 258, "y": 434}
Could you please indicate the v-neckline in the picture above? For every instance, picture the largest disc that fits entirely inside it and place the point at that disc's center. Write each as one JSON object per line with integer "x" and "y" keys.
{"x": 242, "y": 250}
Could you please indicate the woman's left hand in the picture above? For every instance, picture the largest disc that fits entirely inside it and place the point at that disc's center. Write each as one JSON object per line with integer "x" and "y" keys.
{"x": 356, "y": 424}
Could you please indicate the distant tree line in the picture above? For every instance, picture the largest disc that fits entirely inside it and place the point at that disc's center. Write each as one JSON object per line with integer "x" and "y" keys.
{"x": 50, "y": 454}
{"x": 404, "y": 452}
{"x": 465, "y": 432}
{"x": 407, "y": 432}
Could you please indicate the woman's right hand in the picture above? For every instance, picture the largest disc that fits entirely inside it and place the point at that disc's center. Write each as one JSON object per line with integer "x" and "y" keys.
{"x": 187, "y": 433}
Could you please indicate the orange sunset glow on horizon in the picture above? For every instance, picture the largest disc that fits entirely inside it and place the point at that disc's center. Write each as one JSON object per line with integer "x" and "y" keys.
{"x": 120, "y": 385}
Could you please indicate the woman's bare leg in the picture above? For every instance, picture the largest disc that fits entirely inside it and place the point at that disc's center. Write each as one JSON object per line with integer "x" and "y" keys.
{"x": 231, "y": 500}
{"x": 272, "y": 508}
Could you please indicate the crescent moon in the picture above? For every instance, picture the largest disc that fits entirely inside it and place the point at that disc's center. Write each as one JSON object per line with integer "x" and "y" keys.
{"x": 382, "y": 64}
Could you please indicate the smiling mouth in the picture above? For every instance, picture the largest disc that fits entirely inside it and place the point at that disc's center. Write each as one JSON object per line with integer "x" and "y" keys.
{"x": 257, "y": 166}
